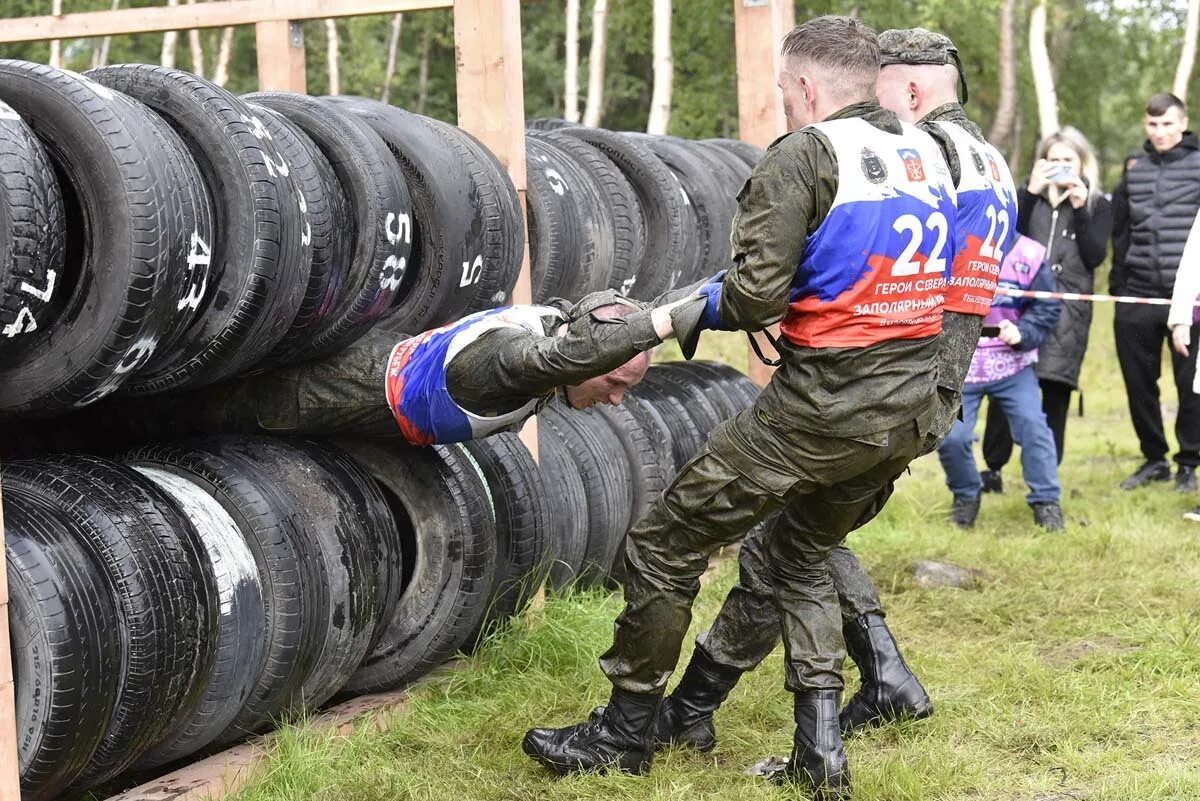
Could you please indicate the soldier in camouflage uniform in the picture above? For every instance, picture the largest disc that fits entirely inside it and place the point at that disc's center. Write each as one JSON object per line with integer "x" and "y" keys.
{"x": 485, "y": 373}
{"x": 918, "y": 81}
{"x": 854, "y": 401}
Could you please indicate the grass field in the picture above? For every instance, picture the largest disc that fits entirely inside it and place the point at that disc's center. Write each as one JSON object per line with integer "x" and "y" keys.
{"x": 1072, "y": 671}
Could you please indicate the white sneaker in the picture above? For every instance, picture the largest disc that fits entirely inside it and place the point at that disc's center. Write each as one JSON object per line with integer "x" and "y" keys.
{"x": 1193, "y": 515}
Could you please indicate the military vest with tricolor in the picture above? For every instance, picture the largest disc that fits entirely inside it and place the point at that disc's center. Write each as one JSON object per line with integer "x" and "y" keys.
{"x": 994, "y": 360}
{"x": 876, "y": 267}
{"x": 987, "y": 222}
{"x": 416, "y": 378}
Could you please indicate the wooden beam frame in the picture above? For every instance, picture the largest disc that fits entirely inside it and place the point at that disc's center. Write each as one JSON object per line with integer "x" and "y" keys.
{"x": 199, "y": 15}
{"x": 759, "y": 28}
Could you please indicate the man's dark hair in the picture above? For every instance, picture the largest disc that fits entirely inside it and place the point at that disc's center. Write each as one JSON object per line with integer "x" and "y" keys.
{"x": 1163, "y": 102}
{"x": 844, "y": 46}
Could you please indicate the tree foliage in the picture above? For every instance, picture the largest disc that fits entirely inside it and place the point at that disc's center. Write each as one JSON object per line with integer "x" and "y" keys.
{"x": 1108, "y": 56}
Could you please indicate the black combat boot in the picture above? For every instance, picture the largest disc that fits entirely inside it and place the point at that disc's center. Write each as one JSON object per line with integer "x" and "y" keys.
{"x": 1048, "y": 515}
{"x": 818, "y": 758}
{"x": 889, "y": 689}
{"x": 1185, "y": 479}
{"x": 1151, "y": 470}
{"x": 992, "y": 481}
{"x": 686, "y": 717}
{"x": 964, "y": 511}
{"x": 615, "y": 737}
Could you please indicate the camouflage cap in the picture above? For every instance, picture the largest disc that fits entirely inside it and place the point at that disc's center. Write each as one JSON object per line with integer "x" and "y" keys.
{"x": 916, "y": 46}
{"x": 919, "y": 46}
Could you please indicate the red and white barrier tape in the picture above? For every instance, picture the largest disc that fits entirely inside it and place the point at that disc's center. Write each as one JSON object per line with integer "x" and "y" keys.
{"x": 1026, "y": 293}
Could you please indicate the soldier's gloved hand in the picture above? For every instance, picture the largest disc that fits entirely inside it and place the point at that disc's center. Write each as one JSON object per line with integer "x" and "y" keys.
{"x": 711, "y": 292}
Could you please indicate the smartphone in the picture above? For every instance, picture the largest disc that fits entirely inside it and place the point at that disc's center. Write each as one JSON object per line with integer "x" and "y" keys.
{"x": 1059, "y": 173}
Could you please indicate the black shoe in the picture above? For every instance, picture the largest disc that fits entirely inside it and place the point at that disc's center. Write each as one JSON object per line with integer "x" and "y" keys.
{"x": 889, "y": 689}
{"x": 1048, "y": 515}
{"x": 686, "y": 716}
{"x": 818, "y": 757}
{"x": 992, "y": 482}
{"x": 615, "y": 737}
{"x": 1157, "y": 470}
{"x": 1185, "y": 478}
{"x": 964, "y": 511}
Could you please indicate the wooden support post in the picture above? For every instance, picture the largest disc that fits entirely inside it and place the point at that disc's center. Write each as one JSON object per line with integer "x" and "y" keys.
{"x": 759, "y": 27}
{"x": 280, "y": 45}
{"x": 491, "y": 106}
{"x": 10, "y": 772}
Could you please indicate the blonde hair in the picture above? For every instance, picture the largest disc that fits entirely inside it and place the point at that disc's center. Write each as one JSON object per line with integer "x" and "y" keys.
{"x": 1089, "y": 169}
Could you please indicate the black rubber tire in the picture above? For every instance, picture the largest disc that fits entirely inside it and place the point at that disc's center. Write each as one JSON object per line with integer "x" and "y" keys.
{"x": 548, "y": 124}
{"x": 651, "y": 467}
{"x": 441, "y": 511}
{"x": 341, "y": 510}
{"x": 738, "y": 390}
{"x": 692, "y": 377}
{"x": 523, "y": 513}
{"x": 504, "y": 234}
{"x": 670, "y": 244}
{"x": 712, "y": 207}
{"x": 32, "y": 231}
{"x": 64, "y": 630}
{"x": 323, "y": 217}
{"x": 241, "y": 627}
{"x": 260, "y": 266}
{"x": 706, "y": 406}
{"x": 607, "y": 483}
{"x": 735, "y": 171}
{"x": 126, "y": 244}
{"x": 163, "y": 586}
{"x": 377, "y": 270}
{"x": 616, "y": 200}
{"x": 570, "y": 227}
{"x": 453, "y": 211}
{"x": 686, "y": 436}
{"x": 285, "y": 560}
{"x": 748, "y": 153}
{"x": 568, "y": 531}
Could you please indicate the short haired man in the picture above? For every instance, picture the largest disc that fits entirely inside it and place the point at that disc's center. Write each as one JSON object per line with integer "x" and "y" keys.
{"x": 485, "y": 373}
{"x": 919, "y": 81}
{"x": 845, "y": 231}
{"x": 1153, "y": 209}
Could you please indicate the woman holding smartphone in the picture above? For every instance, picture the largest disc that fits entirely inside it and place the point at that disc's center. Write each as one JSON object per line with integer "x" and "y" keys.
{"x": 1061, "y": 207}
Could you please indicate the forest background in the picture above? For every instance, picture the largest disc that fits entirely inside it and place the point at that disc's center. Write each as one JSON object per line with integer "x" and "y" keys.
{"x": 1104, "y": 58}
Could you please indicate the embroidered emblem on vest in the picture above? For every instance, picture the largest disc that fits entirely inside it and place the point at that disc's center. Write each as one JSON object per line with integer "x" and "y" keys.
{"x": 912, "y": 164}
{"x": 977, "y": 160}
{"x": 995, "y": 169}
{"x": 873, "y": 167}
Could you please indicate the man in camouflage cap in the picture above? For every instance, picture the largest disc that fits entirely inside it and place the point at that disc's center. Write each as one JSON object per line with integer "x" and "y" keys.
{"x": 855, "y": 399}
{"x": 918, "y": 83}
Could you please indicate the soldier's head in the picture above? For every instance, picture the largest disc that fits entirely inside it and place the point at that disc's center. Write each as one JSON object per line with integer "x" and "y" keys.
{"x": 609, "y": 388}
{"x": 1166, "y": 119}
{"x": 920, "y": 71}
{"x": 828, "y": 63}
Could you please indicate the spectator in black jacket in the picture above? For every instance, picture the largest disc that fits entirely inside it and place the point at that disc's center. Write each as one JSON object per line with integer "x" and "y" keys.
{"x": 1153, "y": 209}
{"x": 1061, "y": 207}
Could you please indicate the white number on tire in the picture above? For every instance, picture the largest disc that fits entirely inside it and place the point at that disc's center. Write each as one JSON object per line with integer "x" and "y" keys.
{"x": 198, "y": 260}
{"x": 911, "y": 225}
{"x": 471, "y": 272}
{"x": 556, "y": 181}
{"x": 23, "y": 323}
{"x": 41, "y": 294}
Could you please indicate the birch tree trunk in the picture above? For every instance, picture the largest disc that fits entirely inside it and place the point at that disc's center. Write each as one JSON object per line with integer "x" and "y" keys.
{"x": 100, "y": 54}
{"x": 333, "y": 57}
{"x": 664, "y": 69}
{"x": 196, "y": 47}
{"x": 596, "y": 55}
{"x": 1006, "y": 108}
{"x": 1187, "y": 58}
{"x": 1043, "y": 78}
{"x": 170, "y": 41}
{"x": 224, "y": 56}
{"x": 423, "y": 70}
{"x": 571, "y": 69}
{"x": 393, "y": 46}
{"x": 55, "y": 44}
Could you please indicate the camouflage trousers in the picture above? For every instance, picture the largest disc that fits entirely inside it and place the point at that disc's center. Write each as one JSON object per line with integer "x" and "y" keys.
{"x": 752, "y": 467}
{"x": 747, "y": 628}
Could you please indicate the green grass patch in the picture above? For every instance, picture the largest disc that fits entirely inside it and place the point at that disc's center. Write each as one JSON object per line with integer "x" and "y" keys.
{"x": 1072, "y": 671}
